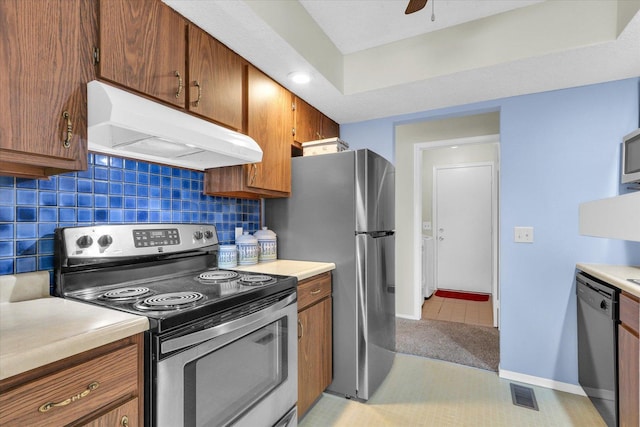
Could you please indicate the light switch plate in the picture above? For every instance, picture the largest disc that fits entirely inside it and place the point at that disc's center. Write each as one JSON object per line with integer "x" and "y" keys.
{"x": 426, "y": 225}
{"x": 523, "y": 234}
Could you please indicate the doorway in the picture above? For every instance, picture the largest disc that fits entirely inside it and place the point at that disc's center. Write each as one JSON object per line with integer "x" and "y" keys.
{"x": 458, "y": 207}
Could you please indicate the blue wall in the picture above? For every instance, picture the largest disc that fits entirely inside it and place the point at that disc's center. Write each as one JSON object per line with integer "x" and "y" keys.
{"x": 558, "y": 149}
{"x": 111, "y": 191}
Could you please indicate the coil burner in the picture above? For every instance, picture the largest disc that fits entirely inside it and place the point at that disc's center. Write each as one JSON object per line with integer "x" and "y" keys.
{"x": 256, "y": 280}
{"x": 217, "y": 276}
{"x": 170, "y": 301}
{"x": 125, "y": 294}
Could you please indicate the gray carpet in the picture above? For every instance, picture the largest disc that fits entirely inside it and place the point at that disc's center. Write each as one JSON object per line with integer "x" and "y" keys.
{"x": 470, "y": 345}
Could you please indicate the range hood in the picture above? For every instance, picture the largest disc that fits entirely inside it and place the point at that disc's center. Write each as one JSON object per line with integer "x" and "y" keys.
{"x": 123, "y": 124}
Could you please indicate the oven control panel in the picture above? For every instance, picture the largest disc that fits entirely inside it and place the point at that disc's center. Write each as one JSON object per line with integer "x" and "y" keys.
{"x": 120, "y": 240}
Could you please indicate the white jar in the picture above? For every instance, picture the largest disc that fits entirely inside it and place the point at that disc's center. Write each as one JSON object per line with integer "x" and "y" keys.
{"x": 227, "y": 256}
{"x": 247, "y": 249}
{"x": 268, "y": 243}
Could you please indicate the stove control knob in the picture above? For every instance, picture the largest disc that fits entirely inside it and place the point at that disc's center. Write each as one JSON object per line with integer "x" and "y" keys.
{"x": 105, "y": 240}
{"x": 197, "y": 235}
{"x": 84, "y": 241}
{"x": 208, "y": 234}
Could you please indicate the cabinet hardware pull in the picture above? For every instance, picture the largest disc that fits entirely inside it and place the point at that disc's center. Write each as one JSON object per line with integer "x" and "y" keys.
{"x": 91, "y": 387}
{"x": 124, "y": 422}
{"x": 300, "y": 329}
{"x": 315, "y": 292}
{"x": 177, "y": 74}
{"x": 69, "y": 133}
{"x": 197, "y": 101}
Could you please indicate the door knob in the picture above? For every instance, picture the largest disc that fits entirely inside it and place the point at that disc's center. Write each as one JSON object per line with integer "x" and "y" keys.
{"x": 441, "y": 238}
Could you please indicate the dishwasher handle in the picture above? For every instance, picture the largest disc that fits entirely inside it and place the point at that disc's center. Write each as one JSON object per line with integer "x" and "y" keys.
{"x": 598, "y": 295}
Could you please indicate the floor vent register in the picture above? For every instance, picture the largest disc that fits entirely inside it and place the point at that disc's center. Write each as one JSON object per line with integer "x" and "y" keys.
{"x": 523, "y": 396}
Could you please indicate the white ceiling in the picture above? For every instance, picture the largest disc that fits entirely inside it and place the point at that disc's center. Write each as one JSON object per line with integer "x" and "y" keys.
{"x": 368, "y": 60}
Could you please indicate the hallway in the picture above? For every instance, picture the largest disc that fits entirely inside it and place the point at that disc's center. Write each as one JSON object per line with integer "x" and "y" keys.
{"x": 458, "y": 310}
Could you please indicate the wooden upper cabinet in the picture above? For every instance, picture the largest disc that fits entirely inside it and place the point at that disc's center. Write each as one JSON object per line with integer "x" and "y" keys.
{"x": 310, "y": 124}
{"x": 46, "y": 61}
{"x": 143, "y": 48}
{"x": 269, "y": 122}
{"x": 215, "y": 79}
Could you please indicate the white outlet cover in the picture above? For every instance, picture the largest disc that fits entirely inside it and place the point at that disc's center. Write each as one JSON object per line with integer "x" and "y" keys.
{"x": 523, "y": 234}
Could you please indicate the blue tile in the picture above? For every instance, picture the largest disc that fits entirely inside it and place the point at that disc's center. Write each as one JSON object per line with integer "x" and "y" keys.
{"x": 129, "y": 216}
{"x": 116, "y": 162}
{"x": 165, "y": 170}
{"x": 130, "y": 189}
{"x": 85, "y": 186}
{"x": 115, "y": 175}
{"x": 25, "y": 265}
{"x": 7, "y": 181}
{"x": 66, "y": 199}
{"x": 154, "y": 180}
{"x": 154, "y": 168}
{"x": 115, "y": 188}
{"x": 142, "y": 203}
{"x": 175, "y": 172}
{"x": 154, "y": 192}
{"x": 129, "y": 164}
{"x": 6, "y": 248}
{"x": 165, "y": 216}
{"x": 47, "y": 198}
{"x": 130, "y": 177}
{"x": 45, "y": 246}
{"x": 48, "y": 184}
{"x": 143, "y": 178}
{"x": 67, "y": 214}
{"x": 143, "y": 191}
{"x": 154, "y": 204}
{"x": 6, "y": 196}
{"x": 26, "y": 230}
{"x": 45, "y": 262}
{"x": 46, "y": 230}
{"x": 88, "y": 174}
{"x": 85, "y": 215}
{"x": 142, "y": 216}
{"x": 115, "y": 202}
{"x": 165, "y": 193}
{"x": 66, "y": 183}
{"x": 26, "y": 247}
{"x": 185, "y": 173}
{"x": 130, "y": 202}
{"x": 176, "y": 216}
{"x": 186, "y": 184}
{"x": 6, "y": 266}
{"x": 6, "y": 231}
{"x": 26, "y": 183}
{"x": 100, "y": 187}
{"x": 175, "y": 194}
{"x": 143, "y": 167}
{"x": 101, "y": 174}
{"x": 100, "y": 159}
{"x": 165, "y": 204}
{"x": 165, "y": 181}
{"x": 115, "y": 215}
{"x": 101, "y": 215}
{"x": 154, "y": 216}
{"x": 100, "y": 201}
{"x": 25, "y": 214}
{"x": 85, "y": 200}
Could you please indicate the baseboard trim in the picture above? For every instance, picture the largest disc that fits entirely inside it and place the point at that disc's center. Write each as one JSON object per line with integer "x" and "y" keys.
{"x": 541, "y": 382}
{"x": 406, "y": 316}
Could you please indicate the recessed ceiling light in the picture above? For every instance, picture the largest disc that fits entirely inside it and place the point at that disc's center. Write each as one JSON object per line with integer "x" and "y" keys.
{"x": 299, "y": 77}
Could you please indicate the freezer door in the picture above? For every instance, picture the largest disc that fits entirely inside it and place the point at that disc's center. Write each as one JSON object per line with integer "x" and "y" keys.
{"x": 375, "y": 308}
{"x": 375, "y": 192}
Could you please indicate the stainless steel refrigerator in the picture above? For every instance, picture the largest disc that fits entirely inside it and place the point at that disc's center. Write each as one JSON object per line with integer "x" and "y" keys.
{"x": 341, "y": 210}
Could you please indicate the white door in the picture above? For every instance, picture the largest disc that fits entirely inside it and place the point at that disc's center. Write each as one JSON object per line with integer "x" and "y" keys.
{"x": 464, "y": 218}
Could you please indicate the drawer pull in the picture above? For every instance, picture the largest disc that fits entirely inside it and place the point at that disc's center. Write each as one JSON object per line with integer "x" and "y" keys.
{"x": 300, "y": 329}
{"x": 91, "y": 387}
{"x": 124, "y": 422}
{"x": 316, "y": 291}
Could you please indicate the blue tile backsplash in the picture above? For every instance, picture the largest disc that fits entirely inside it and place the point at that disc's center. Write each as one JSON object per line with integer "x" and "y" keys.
{"x": 111, "y": 191}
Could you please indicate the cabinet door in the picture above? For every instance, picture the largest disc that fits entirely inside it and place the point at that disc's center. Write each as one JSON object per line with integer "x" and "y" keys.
{"x": 143, "y": 47}
{"x": 628, "y": 375}
{"x": 307, "y": 122}
{"x": 125, "y": 415}
{"x": 269, "y": 122}
{"x": 215, "y": 79}
{"x": 330, "y": 128}
{"x": 314, "y": 353}
{"x": 46, "y": 60}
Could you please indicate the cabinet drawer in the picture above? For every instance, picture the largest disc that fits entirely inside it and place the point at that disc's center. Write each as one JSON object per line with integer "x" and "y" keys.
{"x": 314, "y": 289}
{"x": 630, "y": 312}
{"x": 124, "y": 415}
{"x": 73, "y": 390}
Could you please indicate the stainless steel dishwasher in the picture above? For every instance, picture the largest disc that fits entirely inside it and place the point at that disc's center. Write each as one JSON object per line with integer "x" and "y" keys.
{"x": 598, "y": 344}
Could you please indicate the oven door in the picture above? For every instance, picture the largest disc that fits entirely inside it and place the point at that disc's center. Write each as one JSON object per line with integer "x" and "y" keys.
{"x": 243, "y": 372}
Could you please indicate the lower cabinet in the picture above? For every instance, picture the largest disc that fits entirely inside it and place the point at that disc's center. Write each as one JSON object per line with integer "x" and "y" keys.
{"x": 629, "y": 361}
{"x": 100, "y": 387}
{"x": 315, "y": 366}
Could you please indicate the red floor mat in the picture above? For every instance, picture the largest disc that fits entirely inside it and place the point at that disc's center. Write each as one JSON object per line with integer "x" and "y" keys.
{"x": 462, "y": 295}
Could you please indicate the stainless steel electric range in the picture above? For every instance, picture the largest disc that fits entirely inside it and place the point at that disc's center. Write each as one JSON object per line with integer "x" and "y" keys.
{"x": 220, "y": 349}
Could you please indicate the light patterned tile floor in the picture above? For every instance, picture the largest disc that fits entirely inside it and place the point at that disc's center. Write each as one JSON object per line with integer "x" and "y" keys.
{"x": 457, "y": 310}
{"x": 426, "y": 392}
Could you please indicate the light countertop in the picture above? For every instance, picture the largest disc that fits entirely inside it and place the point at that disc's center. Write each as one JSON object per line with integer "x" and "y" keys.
{"x": 616, "y": 275}
{"x": 283, "y": 267}
{"x": 38, "y": 331}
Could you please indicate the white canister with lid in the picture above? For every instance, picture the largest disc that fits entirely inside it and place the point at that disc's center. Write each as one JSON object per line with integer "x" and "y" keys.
{"x": 227, "y": 256}
{"x": 247, "y": 249}
{"x": 268, "y": 243}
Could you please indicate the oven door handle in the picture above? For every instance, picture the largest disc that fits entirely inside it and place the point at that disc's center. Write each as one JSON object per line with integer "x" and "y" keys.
{"x": 224, "y": 328}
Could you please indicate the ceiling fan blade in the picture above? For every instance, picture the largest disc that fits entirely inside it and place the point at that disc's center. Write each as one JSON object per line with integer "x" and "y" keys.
{"x": 414, "y": 6}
